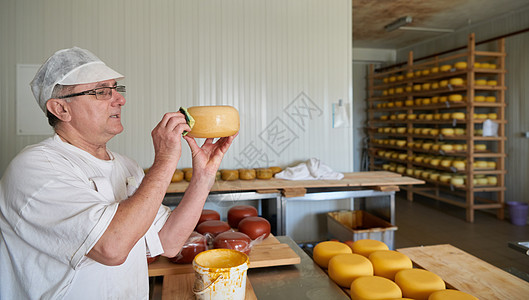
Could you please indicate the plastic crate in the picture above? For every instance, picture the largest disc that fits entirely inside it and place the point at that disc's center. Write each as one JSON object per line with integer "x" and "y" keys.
{"x": 347, "y": 225}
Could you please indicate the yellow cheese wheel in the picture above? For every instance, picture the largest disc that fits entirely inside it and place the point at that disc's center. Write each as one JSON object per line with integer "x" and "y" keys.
{"x": 445, "y": 178}
{"x": 401, "y": 143}
{"x": 447, "y": 131}
{"x": 479, "y": 98}
{"x": 412, "y": 116}
{"x": 374, "y": 288}
{"x": 492, "y": 66}
{"x": 443, "y": 83}
{"x": 425, "y": 72}
{"x": 188, "y": 174}
{"x": 367, "y": 246}
{"x": 426, "y": 86}
{"x": 435, "y": 162}
{"x": 491, "y": 164}
{"x": 426, "y": 101}
{"x": 392, "y": 78}
{"x": 492, "y": 82}
{"x": 458, "y": 115}
{"x": 229, "y": 175}
{"x": 324, "y": 251}
{"x": 385, "y": 80}
{"x": 482, "y": 181}
{"x": 490, "y": 99}
{"x": 344, "y": 268}
{"x": 459, "y": 131}
{"x": 480, "y": 147}
{"x": 435, "y": 176}
{"x": 445, "y": 68}
{"x": 386, "y": 263}
{"x": 481, "y": 164}
{"x": 418, "y": 73}
{"x": 456, "y": 81}
{"x": 177, "y": 176}
{"x": 459, "y": 164}
{"x": 446, "y": 163}
{"x": 434, "y": 70}
{"x": 247, "y": 174}
{"x": 455, "y": 98}
{"x": 418, "y": 283}
{"x": 447, "y": 147}
{"x": 451, "y": 295}
{"x": 214, "y": 121}
{"x": 417, "y": 87}
{"x": 460, "y": 65}
{"x": 492, "y": 116}
{"x": 264, "y": 173}
{"x": 435, "y": 85}
{"x": 485, "y": 65}
{"x": 409, "y": 75}
{"x": 384, "y": 93}
{"x": 481, "y": 81}
{"x": 477, "y": 65}
{"x": 492, "y": 180}
{"x": 400, "y": 77}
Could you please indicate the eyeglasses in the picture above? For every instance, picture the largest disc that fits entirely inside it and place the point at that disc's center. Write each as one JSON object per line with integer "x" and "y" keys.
{"x": 102, "y": 93}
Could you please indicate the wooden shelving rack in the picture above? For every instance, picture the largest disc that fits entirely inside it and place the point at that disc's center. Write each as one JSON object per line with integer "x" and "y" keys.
{"x": 413, "y": 130}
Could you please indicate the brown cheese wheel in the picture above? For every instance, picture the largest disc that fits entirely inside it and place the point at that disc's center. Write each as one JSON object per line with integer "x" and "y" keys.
{"x": 229, "y": 174}
{"x": 246, "y": 174}
{"x": 208, "y": 214}
{"x": 213, "y": 227}
{"x": 177, "y": 176}
{"x": 233, "y": 240}
{"x": 239, "y": 212}
{"x": 264, "y": 173}
{"x": 255, "y": 227}
{"x": 195, "y": 244}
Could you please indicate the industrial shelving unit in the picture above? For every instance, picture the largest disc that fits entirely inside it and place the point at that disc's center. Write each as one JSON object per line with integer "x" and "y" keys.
{"x": 431, "y": 120}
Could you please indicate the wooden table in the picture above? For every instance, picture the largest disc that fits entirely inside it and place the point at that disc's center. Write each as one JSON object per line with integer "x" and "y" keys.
{"x": 468, "y": 273}
{"x": 353, "y": 185}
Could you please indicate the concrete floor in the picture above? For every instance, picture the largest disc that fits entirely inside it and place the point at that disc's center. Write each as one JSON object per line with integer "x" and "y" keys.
{"x": 430, "y": 222}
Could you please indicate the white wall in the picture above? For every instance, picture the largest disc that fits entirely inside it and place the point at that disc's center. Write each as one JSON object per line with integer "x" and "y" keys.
{"x": 281, "y": 63}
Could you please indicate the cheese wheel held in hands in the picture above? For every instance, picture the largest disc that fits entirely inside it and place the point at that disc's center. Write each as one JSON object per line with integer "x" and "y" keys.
{"x": 214, "y": 121}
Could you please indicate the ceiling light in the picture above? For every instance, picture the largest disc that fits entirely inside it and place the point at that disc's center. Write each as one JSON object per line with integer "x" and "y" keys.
{"x": 398, "y": 23}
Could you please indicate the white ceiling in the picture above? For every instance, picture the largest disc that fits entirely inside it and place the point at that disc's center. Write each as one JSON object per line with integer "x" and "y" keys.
{"x": 370, "y": 17}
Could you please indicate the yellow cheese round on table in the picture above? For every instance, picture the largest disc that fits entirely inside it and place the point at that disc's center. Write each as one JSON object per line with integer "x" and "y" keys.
{"x": 418, "y": 283}
{"x": 229, "y": 175}
{"x": 456, "y": 81}
{"x": 386, "y": 263}
{"x": 374, "y": 288}
{"x": 264, "y": 173}
{"x": 460, "y": 65}
{"x": 344, "y": 268}
{"x": 451, "y": 295}
{"x": 367, "y": 246}
{"x": 214, "y": 121}
{"x": 324, "y": 251}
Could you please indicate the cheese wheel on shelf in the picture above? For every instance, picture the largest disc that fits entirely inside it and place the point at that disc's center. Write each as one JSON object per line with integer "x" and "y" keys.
{"x": 367, "y": 246}
{"x": 447, "y": 131}
{"x": 455, "y": 98}
{"x": 386, "y": 263}
{"x": 214, "y": 121}
{"x": 409, "y": 74}
{"x": 229, "y": 175}
{"x": 492, "y": 180}
{"x": 480, "y": 147}
{"x": 445, "y": 68}
{"x": 492, "y": 82}
{"x": 264, "y": 173}
{"x": 479, "y": 98}
{"x": 459, "y": 164}
{"x": 443, "y": 83}
{"x": 247, "y": 174}
{"x": 324, "y": 251}
{"x": 400, "y": 77}
{"x": 344, "y": 268}
{"x": 458, "y": 115}
{"x": 490, "y": 99}
{"x": 425, "y": 72}
{"x": 178, "y": 176}
{"x": 374, "y": 288}
{"x": 188, "y": 174}
{"x": 485, "y": 65}
{"x": 480, "y": 81}
{"x": 434, "y": 70}
{"x": 451, "y": 295}
{"x": 456, "y": 81}
{"x": 418, "y": 283}
{"x": 460, "y": 65}
{"x": 492, "y": 116}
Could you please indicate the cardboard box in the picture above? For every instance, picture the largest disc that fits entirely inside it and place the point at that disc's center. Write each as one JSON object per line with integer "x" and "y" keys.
{"x": 355, "y": 225}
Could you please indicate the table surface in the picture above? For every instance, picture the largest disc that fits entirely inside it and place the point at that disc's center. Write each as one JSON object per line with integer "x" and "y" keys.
{"x": 355, "y": 179}
{"x": 302, "y": 281}
{"x": 468, "y": 273}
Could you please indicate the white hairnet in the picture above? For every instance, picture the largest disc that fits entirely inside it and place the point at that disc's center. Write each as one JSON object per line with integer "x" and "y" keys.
{"x": 69, "y": 67}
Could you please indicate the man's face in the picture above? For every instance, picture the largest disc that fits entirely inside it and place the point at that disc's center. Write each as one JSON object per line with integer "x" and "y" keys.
{"x": 96, "y": 120}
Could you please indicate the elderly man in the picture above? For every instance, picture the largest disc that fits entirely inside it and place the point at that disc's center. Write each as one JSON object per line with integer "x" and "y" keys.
{"x": 78, "y": 220}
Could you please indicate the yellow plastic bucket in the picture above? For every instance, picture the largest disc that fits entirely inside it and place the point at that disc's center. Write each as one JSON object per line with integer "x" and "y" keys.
{"x": 220, "y": 274}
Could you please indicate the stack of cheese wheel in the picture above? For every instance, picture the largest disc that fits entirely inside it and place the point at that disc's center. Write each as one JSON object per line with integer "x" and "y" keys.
{"x": 418, "y": 283}
{"x": 386, "y": 263}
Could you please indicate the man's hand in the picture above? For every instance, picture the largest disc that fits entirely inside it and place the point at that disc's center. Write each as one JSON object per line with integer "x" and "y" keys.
{"x": 207, "y": 159}
{"x": 167, "y": 137}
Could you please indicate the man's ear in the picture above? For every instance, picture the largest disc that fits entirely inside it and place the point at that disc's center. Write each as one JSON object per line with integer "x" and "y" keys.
{"x": 59, "y": 108}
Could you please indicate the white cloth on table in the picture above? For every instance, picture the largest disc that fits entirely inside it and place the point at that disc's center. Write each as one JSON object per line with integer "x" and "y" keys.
{"x": 56, "y": 201}
{"x": 312, "y": 169}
